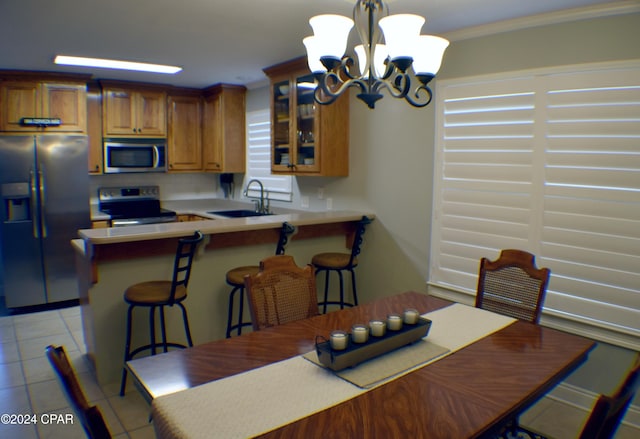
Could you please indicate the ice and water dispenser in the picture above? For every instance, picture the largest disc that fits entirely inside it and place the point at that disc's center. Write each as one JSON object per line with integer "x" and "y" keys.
{"x": 15, "y": 197}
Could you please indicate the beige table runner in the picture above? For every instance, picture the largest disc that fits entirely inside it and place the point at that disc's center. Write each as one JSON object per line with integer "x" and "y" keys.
{"x": 266, "y": 398}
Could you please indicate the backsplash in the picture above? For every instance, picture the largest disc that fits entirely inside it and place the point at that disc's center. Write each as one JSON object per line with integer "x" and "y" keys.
{"x": 172, "y": 186}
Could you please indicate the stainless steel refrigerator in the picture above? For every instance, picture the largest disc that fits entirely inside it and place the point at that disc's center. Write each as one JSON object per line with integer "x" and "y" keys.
{"x": 44, "y": 193}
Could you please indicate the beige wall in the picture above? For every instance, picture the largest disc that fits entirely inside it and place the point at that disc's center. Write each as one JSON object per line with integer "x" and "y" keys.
{"x": 392, "y": 146}
{"x": 392, "y": 150}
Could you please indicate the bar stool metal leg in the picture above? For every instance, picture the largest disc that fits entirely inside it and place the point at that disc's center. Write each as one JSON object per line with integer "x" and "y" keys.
{"x": 353, "y": 287}
{"x": 127, "y": 350}
{"x": 158, "y": 294}
{"x": 185, "y": 321}
{"x": 338, "y": 262}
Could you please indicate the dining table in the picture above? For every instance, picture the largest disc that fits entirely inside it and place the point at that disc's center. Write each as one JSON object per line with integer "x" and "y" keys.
{"x": 489, "y": 370}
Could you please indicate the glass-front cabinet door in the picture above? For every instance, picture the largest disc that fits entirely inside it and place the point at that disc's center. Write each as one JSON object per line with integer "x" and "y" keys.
{"x": 281, "y": 126}
{"x": 306, "y": 125}
{"x": 306, "y": 138}
{"x": 294, "y": 125}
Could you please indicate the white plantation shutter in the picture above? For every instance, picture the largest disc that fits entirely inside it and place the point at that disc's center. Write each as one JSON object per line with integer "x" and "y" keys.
{"x": 259, "y": 158}
{"x": 547, "y": 162}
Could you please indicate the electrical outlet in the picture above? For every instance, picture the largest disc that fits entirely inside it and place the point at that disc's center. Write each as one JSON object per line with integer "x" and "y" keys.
{"x": 304, "y": 202}
{"x": 329, "y": 203}
{"x": 320, "y": 193}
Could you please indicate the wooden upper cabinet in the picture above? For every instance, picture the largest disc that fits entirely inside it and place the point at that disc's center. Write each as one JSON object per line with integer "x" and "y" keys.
{"x": 130, "y": 112}
{"x": 185, "y": 133}
{"x": 223, "y": 130}
{"x": 306, "y": 138}
{"x": 94, "y": 127}
{"x": 50, "y": 99}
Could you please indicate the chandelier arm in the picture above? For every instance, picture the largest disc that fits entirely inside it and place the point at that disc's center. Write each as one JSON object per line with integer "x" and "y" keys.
{"x": 325, "y": 95}
{"x": 346, "y": 65}
{"x": 366, "y": 15}
{"x": 419, "y": 96}
{"x": 398, "y": 85}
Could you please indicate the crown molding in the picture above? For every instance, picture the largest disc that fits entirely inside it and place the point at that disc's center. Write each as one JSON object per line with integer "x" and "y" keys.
{"x": 595, "y": 11}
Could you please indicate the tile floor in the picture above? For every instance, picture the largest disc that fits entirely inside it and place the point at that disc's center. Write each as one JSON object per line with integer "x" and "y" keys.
{"x": 28, "y": 385}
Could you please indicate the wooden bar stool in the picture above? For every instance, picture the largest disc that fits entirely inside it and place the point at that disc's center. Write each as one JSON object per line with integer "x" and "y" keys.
{"x": 158, "y": 294}
{"x": 340, "y": 262}
{"x": 235, "y": 278}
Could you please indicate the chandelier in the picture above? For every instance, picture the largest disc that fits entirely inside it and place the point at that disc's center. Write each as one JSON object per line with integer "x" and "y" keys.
{"x": 404, "y": 65}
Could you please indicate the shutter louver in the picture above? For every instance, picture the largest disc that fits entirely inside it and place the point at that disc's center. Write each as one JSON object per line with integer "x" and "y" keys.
{"x": 549, "y": 163}
{"x": 259, "y": 158}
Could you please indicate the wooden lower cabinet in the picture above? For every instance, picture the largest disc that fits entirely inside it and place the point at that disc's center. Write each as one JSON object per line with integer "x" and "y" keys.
{"x": 184, "y": 218}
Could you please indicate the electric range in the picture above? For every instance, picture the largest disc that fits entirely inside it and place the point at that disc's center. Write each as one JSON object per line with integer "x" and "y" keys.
{"x": 134, "y": 205}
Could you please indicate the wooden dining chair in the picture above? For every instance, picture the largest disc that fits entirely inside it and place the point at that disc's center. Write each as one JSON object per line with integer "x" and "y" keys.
{"x": 607, "y": 413}
{"x": 90, "y": 416}
{"x": 281, "y": 292}
{"x": 512, "y": 285}
{"x": 235, "y": 278}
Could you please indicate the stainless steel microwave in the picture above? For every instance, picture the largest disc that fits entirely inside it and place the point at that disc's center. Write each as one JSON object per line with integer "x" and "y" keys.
{"x": 135, "y": 155}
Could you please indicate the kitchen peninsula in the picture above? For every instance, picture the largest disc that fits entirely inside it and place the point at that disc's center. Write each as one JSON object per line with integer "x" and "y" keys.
{"x": 111, "y": 259}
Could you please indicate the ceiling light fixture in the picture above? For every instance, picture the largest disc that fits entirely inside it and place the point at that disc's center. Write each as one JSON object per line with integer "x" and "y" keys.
{"x": 113, "y": 64}
{"x": 404, "y": 65}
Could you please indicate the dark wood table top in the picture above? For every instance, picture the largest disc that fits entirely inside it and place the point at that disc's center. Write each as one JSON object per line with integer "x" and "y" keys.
{"x": 466, "y": 394}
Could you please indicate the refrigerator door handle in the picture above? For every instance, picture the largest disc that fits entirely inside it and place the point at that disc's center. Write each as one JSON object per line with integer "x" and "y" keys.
{"x": 43, "y": 192}
{"x": 34, "y": 205}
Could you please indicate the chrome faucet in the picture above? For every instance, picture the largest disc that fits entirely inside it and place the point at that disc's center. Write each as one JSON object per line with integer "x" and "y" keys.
{"x": 261, "y": 207}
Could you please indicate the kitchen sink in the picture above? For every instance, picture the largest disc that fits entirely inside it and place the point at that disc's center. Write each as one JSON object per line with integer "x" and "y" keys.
{"x": 238, "y": 213}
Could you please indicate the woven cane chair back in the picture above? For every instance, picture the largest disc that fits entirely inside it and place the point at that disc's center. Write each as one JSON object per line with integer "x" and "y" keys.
{"x": 512, "y": 285}
{"x": 281, "y": 292}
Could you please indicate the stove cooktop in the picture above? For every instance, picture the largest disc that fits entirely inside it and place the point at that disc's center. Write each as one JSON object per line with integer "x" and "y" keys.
{"x": 134, "y": 205}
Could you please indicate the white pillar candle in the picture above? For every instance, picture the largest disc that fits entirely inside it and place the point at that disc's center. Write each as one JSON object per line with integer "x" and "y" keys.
{"x": 377, "y": 327}
{"x": 411, "y": 316}
{"x": 394, "y": 322}
{"x": 338, "y": 340}
{"x": 359, "y": 333}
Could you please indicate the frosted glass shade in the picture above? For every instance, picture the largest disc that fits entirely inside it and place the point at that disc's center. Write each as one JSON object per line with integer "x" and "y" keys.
{"x": 331, "y": 33}
{"x": 314, "y": 52}
{"x": 400, "y": 33}
{"x": 379, "y": 56}
{"x": 428, "y": 55}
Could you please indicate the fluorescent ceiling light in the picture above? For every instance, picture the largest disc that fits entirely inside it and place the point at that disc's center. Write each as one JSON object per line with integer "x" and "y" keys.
{"x": 113, "y": 64}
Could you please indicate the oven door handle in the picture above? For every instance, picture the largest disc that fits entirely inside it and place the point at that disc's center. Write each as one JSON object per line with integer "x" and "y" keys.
{"x": 156, "y": 156}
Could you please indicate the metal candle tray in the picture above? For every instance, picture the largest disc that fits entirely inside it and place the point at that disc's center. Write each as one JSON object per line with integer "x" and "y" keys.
{"x": 356, "y": 353}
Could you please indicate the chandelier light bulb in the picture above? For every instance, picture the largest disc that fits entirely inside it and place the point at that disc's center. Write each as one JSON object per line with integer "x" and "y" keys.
{"x": 331, "y": 33}
{"x": 400, "y": 33}
{"x": 428, "y": 55}
{"x": 314, "y": 52}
